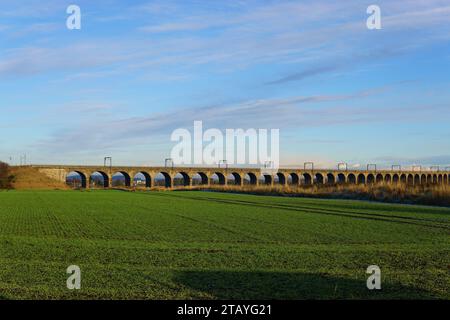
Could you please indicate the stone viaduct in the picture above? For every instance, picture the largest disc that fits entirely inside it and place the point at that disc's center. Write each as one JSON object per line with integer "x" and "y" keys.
{"x": 244, "y": 176}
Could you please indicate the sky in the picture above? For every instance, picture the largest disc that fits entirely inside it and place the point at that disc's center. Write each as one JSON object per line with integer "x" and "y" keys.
{"x": 137, "y": 70}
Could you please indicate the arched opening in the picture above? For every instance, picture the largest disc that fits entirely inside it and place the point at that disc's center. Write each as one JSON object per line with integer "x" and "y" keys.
{"x": 416, "y": 180}
{"x": 440, "y": 179}
{"x": 76, "y": 179}
{"x": 199, "y": 178}
{"x": 250, "y": 179}
{"x": 379, "y": 178}
{"x": 181, "y": 179}
{"x": 370, "y": 178}
{"x": 361, "y": 179}
{"x": 265, "y": 179}
{"x": 330, "y": 178}
{"x": 163, "y": 179}
{"x": 434, "y": 178}
{"x": 387, "y": 178}
{"x": 99, "y": 179}
{"x": 341, "y": 178}
{"x": 395, "y": 178}
{"x": 293, "y": 179}
{"x": 306, "y": 179}
{"x": 121, "y": 179}
{"x": 142, "y": 179}
{"x": 410, "y": 181}
{"x": 445, "y": 179}
{"x": 403, "y": 178}
{"x": 429, "y": 179}
{"x": 217, "y": 179}
{"x": 423, "y": 179}
{"x": 234, "y": 179}
{"x": 351, "y": 178}
{"x": 318, "y": 178}
{"x": 279, "y": 178}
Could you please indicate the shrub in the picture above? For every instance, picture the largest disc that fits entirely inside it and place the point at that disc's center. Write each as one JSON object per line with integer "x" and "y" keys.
{"x": 5, "y": 177}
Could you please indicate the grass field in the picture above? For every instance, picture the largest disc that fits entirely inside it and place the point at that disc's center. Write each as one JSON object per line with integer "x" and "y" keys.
{"x": 182, "y": 245}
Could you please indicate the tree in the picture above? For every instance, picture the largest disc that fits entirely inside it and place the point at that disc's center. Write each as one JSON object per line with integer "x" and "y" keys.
{"x": 5, "y": 177}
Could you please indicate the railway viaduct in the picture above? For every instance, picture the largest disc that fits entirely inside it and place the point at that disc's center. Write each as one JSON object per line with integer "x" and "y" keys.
{"x": 245, "y": 176}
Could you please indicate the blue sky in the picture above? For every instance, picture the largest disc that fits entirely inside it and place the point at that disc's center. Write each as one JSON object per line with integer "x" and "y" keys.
{"x": 137, "y": 70}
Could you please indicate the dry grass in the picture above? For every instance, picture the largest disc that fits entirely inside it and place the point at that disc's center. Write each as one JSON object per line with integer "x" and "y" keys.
{"x": 400, "y": 193}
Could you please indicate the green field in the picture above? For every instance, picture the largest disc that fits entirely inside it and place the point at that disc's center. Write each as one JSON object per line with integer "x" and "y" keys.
{"x": 205, "y": 245}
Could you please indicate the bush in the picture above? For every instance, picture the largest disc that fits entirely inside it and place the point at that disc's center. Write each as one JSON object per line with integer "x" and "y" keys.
{"x": 5, "y": 177}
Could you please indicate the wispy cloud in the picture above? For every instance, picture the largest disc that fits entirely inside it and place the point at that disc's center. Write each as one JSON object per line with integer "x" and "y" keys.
{"x": 249, "y": 34}
{"x": 310, "y": 72}
{"x": 294, "y": 112}
{"x": 4, "y": 27}
{"x": 170, "y": 27}
{"x": 35, "y": 28}
{"x": 36, "y": 60}
{"x": 439, "y": 160}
